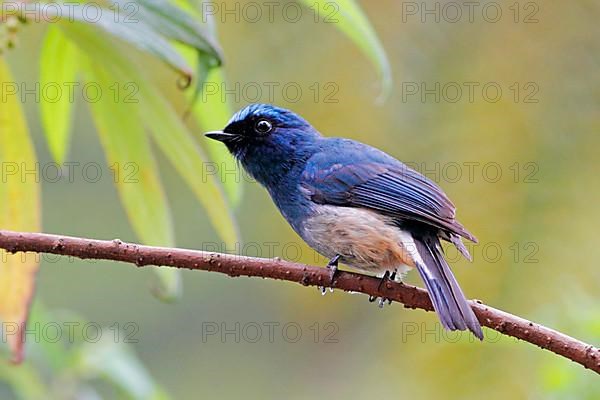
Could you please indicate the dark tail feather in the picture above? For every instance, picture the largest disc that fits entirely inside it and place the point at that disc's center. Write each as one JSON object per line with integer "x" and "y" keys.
{"x": 447, "y": 297}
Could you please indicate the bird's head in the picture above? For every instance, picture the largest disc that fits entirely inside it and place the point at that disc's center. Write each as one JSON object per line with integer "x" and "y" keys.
{"x": 267, "y": 140}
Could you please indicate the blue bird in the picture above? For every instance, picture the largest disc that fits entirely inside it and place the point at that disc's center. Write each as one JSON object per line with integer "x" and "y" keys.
{"x": 353, "y": 203}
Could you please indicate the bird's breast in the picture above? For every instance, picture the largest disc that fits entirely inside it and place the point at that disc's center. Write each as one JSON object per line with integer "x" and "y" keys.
{"x": 365, "y": 239}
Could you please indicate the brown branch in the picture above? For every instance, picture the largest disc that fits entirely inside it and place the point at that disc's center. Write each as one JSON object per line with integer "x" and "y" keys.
{"x": 233, "y": 265}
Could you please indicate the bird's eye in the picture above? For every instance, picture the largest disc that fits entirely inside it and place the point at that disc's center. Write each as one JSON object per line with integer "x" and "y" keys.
{"x": 263, "y": 126}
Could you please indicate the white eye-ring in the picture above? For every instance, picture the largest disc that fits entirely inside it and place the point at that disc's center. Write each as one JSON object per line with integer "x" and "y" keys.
{"x": 263, "y": 126}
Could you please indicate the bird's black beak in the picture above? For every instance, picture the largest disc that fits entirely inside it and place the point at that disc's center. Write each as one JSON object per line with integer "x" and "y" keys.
{"x": 220, "y": 136}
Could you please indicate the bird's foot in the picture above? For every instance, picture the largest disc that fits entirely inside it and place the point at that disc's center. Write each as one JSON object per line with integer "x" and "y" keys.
{"x": 393, "y": 276}
{"x": 333, "y": 267}
{"x": 382, "y": 300}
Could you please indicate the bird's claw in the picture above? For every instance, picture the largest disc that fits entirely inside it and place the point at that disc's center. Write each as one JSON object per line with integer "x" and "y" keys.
{"x": 332, "y": 265}
{"x": 333, "y": 269}
{"x": 323, "y": 290}
{"x": 386, "y": 276}
{"x": 382, "y": 300}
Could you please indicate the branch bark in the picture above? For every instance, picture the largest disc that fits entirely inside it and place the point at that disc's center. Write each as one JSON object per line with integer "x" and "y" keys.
{"x": 233, "y": 265}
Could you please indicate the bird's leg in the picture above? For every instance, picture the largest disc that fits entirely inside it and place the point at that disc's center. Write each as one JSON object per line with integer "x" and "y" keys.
{"x": 393, "y": 276}
{"x": 393, "y": 279}
{"x": 386, "y": 276}
{"x": 333, "y": 266}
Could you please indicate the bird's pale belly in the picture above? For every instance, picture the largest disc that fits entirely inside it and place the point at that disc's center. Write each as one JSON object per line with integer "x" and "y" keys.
{"x": 364, "y": 239}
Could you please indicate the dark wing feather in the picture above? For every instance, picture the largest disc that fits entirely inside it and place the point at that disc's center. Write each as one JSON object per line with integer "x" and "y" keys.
{"x": 381, "y": 183}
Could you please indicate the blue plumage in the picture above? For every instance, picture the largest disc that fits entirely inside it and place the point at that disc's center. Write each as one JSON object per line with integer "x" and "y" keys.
{"x": 348, "y": 173}
{"x": 353, "y": 202}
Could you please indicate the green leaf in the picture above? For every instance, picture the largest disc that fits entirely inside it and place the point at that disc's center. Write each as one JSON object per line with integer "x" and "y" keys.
{"x": 24, "y": 380}
{"x": 177, "y": 144}
{"x": 212, "y": 113}
{"x": 152, "y": 24}
{"x": 58, "y": 65}
{"x": 351, "y": 20}
{"x": 177, "y": 24}
{"x": 120, "y": 126}
{"x": 19, "y": 211}
{"x": 55, "y": 355}
{"x": 169, "y": 132}
{"x": 136, "y": 32}
{"x": 118, "y": 364}
{"x": 180, "y": 23}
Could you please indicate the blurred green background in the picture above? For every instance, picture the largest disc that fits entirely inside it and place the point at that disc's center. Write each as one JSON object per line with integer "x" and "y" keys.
{"x": 535, "y": 221}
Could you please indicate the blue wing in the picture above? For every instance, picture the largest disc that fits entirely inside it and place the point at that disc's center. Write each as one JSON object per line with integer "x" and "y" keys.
{"x": 352, "y": 174}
